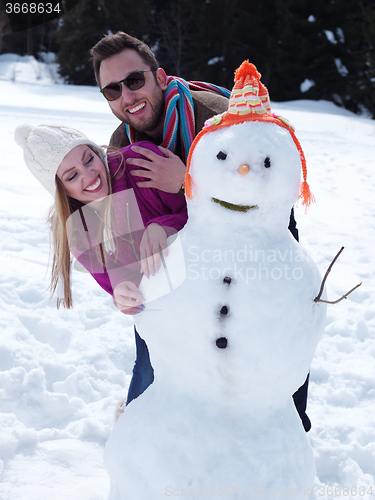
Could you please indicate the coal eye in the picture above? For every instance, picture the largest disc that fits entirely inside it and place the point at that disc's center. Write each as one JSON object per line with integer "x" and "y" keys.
{"x": 221, "y": 156}
{"x": 267, "y": 162}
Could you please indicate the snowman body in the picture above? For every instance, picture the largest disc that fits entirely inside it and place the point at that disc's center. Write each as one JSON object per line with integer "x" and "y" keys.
{"x": 232, "y": 344}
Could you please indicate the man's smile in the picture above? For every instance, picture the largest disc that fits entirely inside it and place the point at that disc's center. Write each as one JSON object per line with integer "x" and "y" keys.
{"x": 137, "y": 107}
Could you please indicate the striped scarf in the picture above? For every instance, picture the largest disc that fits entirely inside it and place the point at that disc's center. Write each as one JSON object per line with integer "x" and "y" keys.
{"x": 179, "y": 113}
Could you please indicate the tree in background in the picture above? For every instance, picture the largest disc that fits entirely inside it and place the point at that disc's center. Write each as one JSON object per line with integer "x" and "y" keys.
{"x": 173, "y": 33}
{"x": 77, "y": 32}
{"x": 237, "y": 30}
{"x": 4, "y": 25}
{"x": 338, "y": 54}
{"x": 359, "y": 55}
{"x": 28, "y": 42}
{"x": 84, "y": 25}
{"x": 305, "y": 49}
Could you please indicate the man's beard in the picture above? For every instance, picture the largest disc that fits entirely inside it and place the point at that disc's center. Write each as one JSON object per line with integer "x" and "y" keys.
{"x": 157, "y": 105}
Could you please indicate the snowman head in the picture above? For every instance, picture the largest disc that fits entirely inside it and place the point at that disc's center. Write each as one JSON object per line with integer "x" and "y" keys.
{"x": 247, "y": 159}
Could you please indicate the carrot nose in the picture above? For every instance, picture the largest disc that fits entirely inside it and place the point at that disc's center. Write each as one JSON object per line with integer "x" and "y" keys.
{"x": 243, "y": 170}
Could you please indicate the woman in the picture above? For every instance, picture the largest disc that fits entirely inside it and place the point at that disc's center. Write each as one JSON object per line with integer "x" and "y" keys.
{"x": 115, "y": 229}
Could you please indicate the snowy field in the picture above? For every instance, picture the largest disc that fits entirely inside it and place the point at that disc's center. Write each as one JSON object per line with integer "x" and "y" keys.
{"x": 62, "y": 372}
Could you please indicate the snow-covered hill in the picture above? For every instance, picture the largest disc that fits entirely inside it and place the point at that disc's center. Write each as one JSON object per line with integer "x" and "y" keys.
{"x": 62, "y": 372}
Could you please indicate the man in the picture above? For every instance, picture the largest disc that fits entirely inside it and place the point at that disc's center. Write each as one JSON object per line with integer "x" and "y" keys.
{"x": 142, "y": 111}
{"x": 144, "y": 99}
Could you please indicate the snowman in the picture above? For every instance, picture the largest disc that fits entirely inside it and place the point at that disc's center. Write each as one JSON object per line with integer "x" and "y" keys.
{"x": 235, "y": 340}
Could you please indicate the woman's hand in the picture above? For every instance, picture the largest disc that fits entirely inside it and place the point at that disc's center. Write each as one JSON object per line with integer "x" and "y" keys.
{"x": 127, "y": 298}
{"x": 153, "y": 241}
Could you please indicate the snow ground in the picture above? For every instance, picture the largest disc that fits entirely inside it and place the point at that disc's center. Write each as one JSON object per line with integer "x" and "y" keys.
{"x": 62, "y": 372}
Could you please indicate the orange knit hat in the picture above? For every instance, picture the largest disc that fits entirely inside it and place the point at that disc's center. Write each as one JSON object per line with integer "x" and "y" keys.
{"x": 249, "y": 101}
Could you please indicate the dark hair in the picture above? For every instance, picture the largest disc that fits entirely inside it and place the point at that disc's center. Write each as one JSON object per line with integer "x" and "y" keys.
{"x": 111, "y": 45}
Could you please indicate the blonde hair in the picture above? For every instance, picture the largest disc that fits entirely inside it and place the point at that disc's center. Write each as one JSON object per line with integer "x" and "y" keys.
{"x": 59, "y": 213}
{"x": 61, "y": 263}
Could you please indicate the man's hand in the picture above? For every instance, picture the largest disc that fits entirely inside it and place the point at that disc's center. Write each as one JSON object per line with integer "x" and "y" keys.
{"x": 153, "y": 241}
{"x": 127, "y": 298}
{"x": 166, "y": 173}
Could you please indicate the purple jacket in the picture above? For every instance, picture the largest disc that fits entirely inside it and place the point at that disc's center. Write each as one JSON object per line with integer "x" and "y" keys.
{"x": 132, "y": 211}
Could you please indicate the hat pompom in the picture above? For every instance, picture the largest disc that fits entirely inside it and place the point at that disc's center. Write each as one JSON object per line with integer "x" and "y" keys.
{"x": 21, "y": 134}
{"x": 246, "y": 70}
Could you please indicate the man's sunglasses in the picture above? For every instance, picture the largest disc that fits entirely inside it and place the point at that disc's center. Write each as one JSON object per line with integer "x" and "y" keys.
{"x": 134, "y": 81}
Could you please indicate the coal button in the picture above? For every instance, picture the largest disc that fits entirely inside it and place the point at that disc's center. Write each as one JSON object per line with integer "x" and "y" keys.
{"x": 222, "y": 343}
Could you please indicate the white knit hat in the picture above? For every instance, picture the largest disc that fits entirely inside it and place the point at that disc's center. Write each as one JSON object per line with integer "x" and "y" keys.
{"x": 45, "y": 147}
